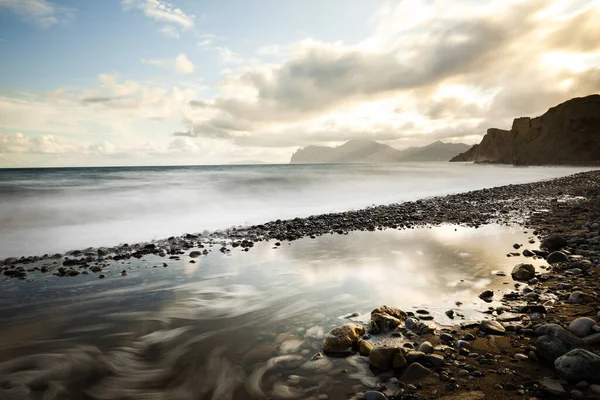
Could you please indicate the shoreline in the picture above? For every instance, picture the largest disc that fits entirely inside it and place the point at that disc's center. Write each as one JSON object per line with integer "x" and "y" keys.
{"x": 507, "y": 204}
{"x": 467, "y": 361}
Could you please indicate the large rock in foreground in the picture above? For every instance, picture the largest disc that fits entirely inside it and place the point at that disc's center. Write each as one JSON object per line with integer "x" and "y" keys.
{"x": 385, "y": 319}
{"x": 568, "y": 134}
{"x": 342, "y": 338}
{"x": 556, "y": 341}
{"x": 523, "y": 272}
{"x": 578, "y": 365}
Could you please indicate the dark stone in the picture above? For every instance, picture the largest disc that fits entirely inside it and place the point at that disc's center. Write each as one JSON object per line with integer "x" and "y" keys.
{"x": 557, "y": 257}
{"x": 554, "y": 242}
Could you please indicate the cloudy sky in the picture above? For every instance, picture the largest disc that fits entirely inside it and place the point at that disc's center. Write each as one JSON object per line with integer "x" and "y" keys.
{"x": 138, "y": 82}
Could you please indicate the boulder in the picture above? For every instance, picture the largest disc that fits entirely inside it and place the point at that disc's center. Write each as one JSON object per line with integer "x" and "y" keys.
{"x": 414, "y": 356}
{"x": 592, "y": 340}
{"x": 426, "y": 348}
{"x": 557, "y": 257}
{"x": 415, "y": 372}
{"x": 554, "y": 242}
{"x": 383, "y": 357}
{"x": 364, "y": 348}
{"x": 556, "y": 342}
{"x": 523, "y": 272}
{"x": 552, "y": 387}
{"x": 581, "y": 327}
{"x": 342, "y": 338}
{"x": 385, "y": 319}
{"x": 578, "y": 297}
{"x": 579, "y": 364}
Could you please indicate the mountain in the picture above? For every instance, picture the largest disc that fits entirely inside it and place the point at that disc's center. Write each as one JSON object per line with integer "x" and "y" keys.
{"x": 568, "y": 134}
{"x": 369, "y": 151}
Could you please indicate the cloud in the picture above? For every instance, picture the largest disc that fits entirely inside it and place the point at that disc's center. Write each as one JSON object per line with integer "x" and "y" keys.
{"x": 43, "y": 12}
{"x": 169, "y": 31}
{"x": 162, "y": 11}
{"x": 44, "y": 144}
{"x": 181, "y": 64}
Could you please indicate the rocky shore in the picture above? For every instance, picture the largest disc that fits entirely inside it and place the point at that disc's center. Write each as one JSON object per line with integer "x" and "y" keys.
{"x": 543, "y": 342}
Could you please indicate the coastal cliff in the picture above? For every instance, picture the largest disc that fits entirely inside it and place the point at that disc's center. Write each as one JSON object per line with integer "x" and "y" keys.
{"x": 568, "y": 134}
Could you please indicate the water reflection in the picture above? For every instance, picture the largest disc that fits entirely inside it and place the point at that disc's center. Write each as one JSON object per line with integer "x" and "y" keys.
{"x": 239, "y": 326}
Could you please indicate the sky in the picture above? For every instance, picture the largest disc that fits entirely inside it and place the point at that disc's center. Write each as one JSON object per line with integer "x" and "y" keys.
{"x": 151, "y": 82}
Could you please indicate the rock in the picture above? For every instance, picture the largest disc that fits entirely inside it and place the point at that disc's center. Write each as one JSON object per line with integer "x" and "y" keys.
{"x": 579, "y": 297}
{"x": 595, "y": 390}
{"x": 556, "y": 342}
{"x": 528, "y": 253}
{"x": 582, "y": 326}
{"x": 516, "y": 246}
{"x": 446, "y": 337}
{"x": 552, "y": 387}
{"x": 343, "y": 338}
{"x": 554, "y": 242}
{"x": 486, "y": 295}
{"x": 399, "y": 361}
{"x": 523, "y": 272}
{"x": 592, "y": 340}
{"x": 579, "y": 364}
{"x": 373, "y": 395}
{"x": 364, "y": 348}
{"x": 492, "y": 327}
{"x": 385, "y": 319}
{"x": 426, "y": 348}
{"x": 96, "y": 268}
{"x": 417, "y": 326}
{"x": 414, "y": 356}
{"x": 557, "y": 257}
{"x": 521, "y": 357}
{"x": 195, "y": 254}
{"x": 450, "y": 314}
{"x": 435, "y": 360}
{"x": 415, "y": 372}
{"x": 383, "y": 357}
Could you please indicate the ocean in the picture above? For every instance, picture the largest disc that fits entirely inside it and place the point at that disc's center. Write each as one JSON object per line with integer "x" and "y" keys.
{"x": 49, "y": 210}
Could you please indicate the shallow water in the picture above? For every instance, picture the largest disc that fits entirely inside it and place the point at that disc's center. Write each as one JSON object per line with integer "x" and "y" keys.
{"x": 243, "y": 325}
{"x": 59, "y": 209}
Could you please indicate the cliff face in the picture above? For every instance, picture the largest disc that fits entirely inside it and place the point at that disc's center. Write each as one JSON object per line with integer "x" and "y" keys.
{"x": 568, "y": 134}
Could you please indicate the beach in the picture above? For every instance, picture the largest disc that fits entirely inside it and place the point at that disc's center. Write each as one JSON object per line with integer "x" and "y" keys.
{"x": 247, "y": 308}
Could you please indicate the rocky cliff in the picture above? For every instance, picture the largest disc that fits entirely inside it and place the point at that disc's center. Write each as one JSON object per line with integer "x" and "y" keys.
{"x": 568, "y": 134}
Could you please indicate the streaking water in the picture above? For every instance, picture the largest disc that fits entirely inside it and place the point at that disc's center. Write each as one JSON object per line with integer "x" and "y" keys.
{"x": 60, "y": 209}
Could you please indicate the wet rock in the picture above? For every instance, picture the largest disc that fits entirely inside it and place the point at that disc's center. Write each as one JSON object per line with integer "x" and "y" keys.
{"x": 415, "y": 372}
{"x": 435, "y": 360}
{"x": 528, "y": 253}
{"x": 556, "y": 341}
{"x": 523, "y": 272}
{"x": 578, "y": 297}
{"x": 582, "y": 326}
{"x": 385, "y": 319}
{"x": 383, "y": 357}
{"x": 195, "y": 254}
{"x": 486, "y": 295}
{"x": 450, "y": 314}
{"x": 492, "y": 327}
{"x": 426, "y": 348}
{"x": 417, "y": 326}
{"x": 516, "y": 246}
{"x": 373, "y": 395}
{"x": 414, "y": 356}
{"x": 446, "y": 337}
{"x": 557, "y": 257}
{"x": 552, "y": 387}
{"x": 343, "y": 338}
{"x": 592, "y": 340}
{"x": 579, "y": 364}
{"x": 96, "y": 268}
{"x": 399, "y": 361}
{"x": 554, "y": 242}
{"x": 364, "y": 348}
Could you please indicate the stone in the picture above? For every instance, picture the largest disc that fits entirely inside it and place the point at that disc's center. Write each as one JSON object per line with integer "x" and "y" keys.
{"x": 492, "y": 327}
{"x": 364, "y": 348}
{"x": 592, "y": 340}
{"x": 486, "y": 295}
{"x": 415, "y": 372}
{"x": 595, "y": 390}
{"x": 557, "y": 342}
{"x": 528, "y": 253}
{"x": 426, "y": 348}
{"x": 383, "y": 357}
{"x": 579, "y": 364}
{"x": 450, "y": 314}
{"x": 373, "y": 395}
{"x": 343, "y": 338}
{"x": 414, "y": 356}
{"x": 552, "y": 387}
{"x": 523, "y": 272}
{"x": 399, "y": 361}
{"x": 446, "y": 337}
{"x": 435, "y": 360}
{"x": 557, "y": 257}
{"x": 581, "y": 327}
{"x": 385, "y": 319}
{"x": 417, "y": 326}
{"x": 578, "y": 297}
{"x": 554, "y": 242}
{"x": 195, "y": 254}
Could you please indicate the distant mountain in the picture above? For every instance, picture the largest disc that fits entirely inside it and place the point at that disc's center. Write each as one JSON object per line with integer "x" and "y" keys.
{"x": 247, "y": 162}
{"x": 568, "y": 134}
{"x": 369, "y": 151}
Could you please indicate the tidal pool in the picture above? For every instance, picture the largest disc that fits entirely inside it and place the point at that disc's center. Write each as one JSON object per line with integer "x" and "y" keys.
{"x": 240, "y": 325}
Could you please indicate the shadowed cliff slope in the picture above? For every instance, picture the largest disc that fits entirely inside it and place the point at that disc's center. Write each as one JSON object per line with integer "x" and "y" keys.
{"x": 568, "y": 134}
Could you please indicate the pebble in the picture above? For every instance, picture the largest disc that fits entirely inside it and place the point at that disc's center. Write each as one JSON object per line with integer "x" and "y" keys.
{"x": 425, "y": 347}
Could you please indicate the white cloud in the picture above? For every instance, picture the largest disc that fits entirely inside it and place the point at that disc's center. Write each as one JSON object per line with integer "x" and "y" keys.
{"x": 161, "y": 11}
{"x": 169, "y": 31}
{"x": 181, "y": 64}
{"x": 43, "y": 12}
{"x": 227, "y": 55}
{"x": 44, "y": 144}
